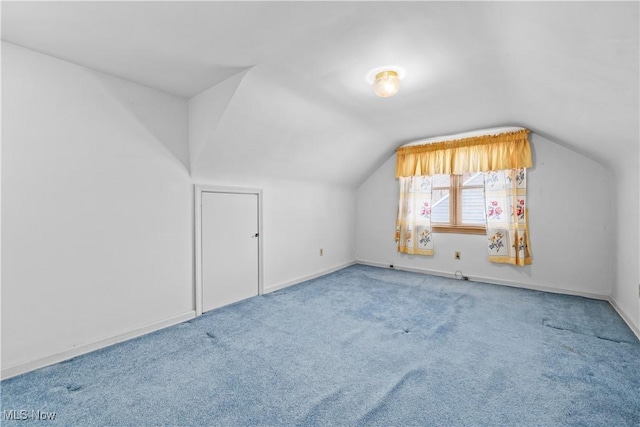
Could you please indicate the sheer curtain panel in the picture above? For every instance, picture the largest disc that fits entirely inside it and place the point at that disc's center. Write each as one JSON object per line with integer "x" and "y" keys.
{"x": 413, "y": 226}
{"x": 505, "y": 194}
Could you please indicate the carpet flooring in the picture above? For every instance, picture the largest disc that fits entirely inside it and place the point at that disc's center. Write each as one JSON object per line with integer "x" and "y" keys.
{"x": 363, "y": 346}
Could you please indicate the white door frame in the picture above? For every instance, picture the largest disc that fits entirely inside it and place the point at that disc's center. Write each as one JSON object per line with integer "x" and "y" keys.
{"x": 199, "y": 189}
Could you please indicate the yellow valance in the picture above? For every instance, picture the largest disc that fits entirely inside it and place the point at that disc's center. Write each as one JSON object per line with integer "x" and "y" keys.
{"x": 475, "y": 154}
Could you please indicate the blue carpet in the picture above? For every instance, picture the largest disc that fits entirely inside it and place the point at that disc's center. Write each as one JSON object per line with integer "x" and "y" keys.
{"x": 361, "y": 347}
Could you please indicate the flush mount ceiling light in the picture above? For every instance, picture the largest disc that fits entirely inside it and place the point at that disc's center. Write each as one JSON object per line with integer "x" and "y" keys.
{"x": 385, "y": 80}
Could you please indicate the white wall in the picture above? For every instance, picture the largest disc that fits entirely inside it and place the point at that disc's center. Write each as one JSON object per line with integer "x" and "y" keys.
{"x": 570, "y": 219}
{"x": 96, "y": 208}
{"x": 627, "y": 251}
{"x": 299, "y": 218}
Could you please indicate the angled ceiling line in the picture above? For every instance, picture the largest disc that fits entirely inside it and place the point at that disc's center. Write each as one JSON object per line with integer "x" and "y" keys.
{"x": 206, "y": 110}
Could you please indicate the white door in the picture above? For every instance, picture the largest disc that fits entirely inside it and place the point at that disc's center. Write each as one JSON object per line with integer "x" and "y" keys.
{"x": 229, "y": 248}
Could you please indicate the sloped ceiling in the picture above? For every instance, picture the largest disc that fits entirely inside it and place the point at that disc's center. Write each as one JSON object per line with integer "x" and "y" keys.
{"x": 299, "y": 106}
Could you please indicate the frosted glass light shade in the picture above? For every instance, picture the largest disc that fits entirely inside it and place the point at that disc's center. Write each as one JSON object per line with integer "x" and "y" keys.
{"x": 387, "y": 83}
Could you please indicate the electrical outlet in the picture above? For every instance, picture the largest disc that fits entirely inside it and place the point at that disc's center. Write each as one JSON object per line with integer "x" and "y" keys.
{"x": 321, "y": 252}
{"x": 457, "y": 254}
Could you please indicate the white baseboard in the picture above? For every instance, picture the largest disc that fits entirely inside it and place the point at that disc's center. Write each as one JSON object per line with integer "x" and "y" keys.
{"x": 627, "y": 319}
{"x": 308, "y": 277}
{"x": 494, "y": 281}
{"x": 13, "y": 371}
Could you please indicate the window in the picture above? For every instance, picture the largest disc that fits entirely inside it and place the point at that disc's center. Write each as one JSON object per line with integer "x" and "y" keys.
{"x": 458, "y": 203}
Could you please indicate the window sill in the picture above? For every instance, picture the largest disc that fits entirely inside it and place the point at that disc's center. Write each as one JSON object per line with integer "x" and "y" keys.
{"x": 459, "y": 229}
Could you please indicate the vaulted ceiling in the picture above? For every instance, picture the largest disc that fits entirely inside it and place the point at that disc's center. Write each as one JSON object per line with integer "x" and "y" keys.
{"x": 289, "y": 77}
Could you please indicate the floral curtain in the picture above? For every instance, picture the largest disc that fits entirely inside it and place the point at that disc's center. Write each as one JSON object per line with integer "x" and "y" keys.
{"x": 503, "y": 157}
{"x": 505, "y": 193}
{"x": 413, "y": 226}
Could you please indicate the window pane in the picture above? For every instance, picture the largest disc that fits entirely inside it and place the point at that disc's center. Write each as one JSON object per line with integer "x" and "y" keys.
{"x": 474, "y": 178}
{"x": 441, "y": 181}
{"x": 440, "y": 206}
{"x": 473, "y": 206}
